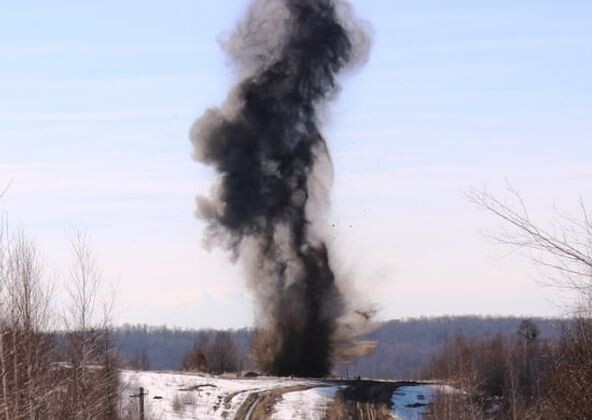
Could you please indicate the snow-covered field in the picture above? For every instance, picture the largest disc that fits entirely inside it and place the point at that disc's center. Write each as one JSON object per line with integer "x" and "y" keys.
{"x": 177, "y": 395}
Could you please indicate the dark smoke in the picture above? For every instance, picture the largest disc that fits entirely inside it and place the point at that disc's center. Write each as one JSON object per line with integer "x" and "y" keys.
{"x": 266, "y": 145}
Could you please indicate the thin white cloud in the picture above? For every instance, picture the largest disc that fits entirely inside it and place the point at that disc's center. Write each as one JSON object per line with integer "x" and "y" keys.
{"x": 94, "y": 48}
{"x": 67, "y": 117}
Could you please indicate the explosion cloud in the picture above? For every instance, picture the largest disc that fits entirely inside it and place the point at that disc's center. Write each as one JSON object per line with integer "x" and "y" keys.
{"x": 272, "y": 163}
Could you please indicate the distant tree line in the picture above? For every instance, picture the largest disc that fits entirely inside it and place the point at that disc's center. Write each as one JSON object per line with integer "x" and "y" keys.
{"x": 165, "y": 348}
{"x": 405, "y": 347}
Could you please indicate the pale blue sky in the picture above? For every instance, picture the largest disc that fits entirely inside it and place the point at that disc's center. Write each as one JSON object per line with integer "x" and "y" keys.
{"x": 98, "y": 98}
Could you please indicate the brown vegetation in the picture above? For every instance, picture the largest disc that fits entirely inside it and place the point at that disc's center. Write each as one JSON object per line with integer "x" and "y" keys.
{"x": 498, "y": 376}
{"x": 217, "y": 355}
{"x": 569, "y": 394}
{"x": 43, "y": 375}
{"x": 524, "y": 378}
{"x": 518, "y": 378}
{"x": 365, "y": 400}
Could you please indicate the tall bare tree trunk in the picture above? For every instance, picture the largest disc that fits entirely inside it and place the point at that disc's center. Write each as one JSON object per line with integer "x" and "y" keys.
{"x": 16, "y": 396}
{"x": 4, "y": 381}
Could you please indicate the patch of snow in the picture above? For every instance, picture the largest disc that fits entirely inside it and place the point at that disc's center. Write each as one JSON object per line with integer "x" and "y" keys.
{"x": 309, "y": 404}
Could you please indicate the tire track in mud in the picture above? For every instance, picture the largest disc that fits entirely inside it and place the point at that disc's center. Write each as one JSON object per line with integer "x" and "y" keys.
{"x": 226, "y": 402}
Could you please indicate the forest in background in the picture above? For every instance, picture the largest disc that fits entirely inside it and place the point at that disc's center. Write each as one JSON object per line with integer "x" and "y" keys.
{"x": 404, "y": 347}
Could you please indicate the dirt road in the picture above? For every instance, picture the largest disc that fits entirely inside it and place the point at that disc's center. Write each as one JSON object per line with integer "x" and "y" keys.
{"x": 364, "y": 400}
{"x": 259, "y": 405}
{"x": 360, "y": 400}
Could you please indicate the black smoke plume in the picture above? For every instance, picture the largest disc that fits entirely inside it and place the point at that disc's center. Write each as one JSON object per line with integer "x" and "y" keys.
{"x": 271, "y": 158}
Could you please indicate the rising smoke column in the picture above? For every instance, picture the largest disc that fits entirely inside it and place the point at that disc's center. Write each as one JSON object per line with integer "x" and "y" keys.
{"x": 267, "y": 148}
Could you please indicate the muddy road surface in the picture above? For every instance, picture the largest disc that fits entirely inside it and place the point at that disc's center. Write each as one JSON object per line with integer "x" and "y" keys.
{"x": 361, "y": 399}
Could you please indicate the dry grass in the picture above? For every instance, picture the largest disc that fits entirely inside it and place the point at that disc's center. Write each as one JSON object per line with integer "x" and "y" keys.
{"x": 177, "y": 404}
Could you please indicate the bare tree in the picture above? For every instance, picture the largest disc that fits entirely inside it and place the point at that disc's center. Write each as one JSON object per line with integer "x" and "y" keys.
{"x": 83, "y": 283}
{"x": 25, "y": 347}
{"x": 564, "y": 250}
{"x": 109, "y": 389}
{"x": 197, "y": 358}
{"x": 217, "y": 354}
{"x": 224, "y": 353}
{"x": 88, "y": 339}
{"x": 3, "y": 191}
{"x": 3, "y": 320}
{"x": 35, "y": 382}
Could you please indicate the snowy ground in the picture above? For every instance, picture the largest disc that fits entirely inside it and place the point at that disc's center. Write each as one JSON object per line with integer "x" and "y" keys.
{"x": 308, "y": 404}
{"x": 176, "y": 395}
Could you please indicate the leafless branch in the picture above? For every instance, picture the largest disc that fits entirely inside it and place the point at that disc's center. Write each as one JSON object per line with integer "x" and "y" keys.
{"x": 565, "y": 249}
{"x": 6, "y": 188}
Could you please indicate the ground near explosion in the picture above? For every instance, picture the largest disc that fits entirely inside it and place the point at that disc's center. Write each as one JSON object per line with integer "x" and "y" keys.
{"x": 188, "y": 396}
